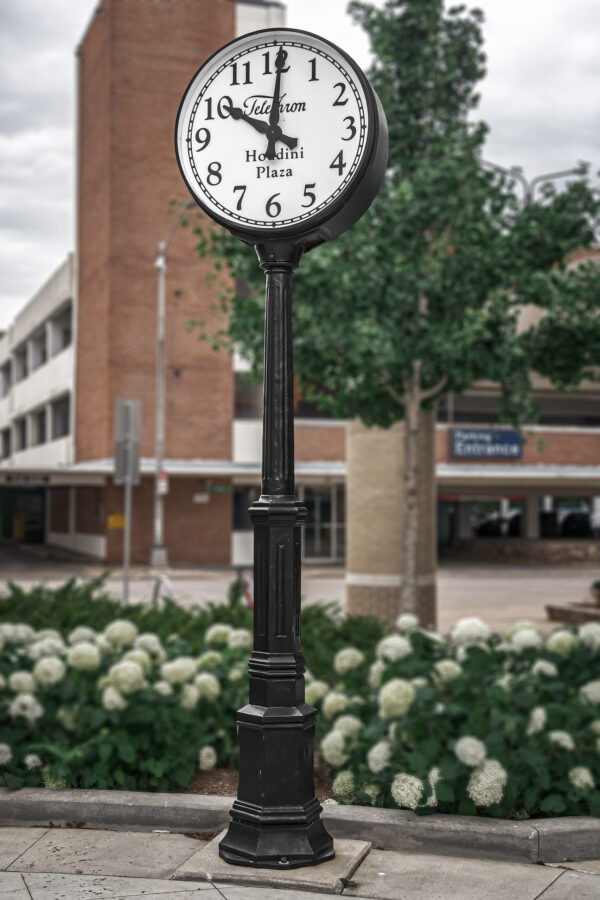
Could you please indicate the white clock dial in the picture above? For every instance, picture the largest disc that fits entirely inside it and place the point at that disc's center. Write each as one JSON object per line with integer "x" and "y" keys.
{"x": 272, "y": 130}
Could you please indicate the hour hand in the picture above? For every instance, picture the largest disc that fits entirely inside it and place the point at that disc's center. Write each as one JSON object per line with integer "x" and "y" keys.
{"x": 263, "y": 127}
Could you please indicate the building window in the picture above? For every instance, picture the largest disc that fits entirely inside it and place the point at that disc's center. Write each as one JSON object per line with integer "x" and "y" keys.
{"x": 21, "y": 363}
{"x": 39, "y": 349}
{"x": 60, "y": 417}
{"x": 243, "y": 497}
{"x": 21, "y": 434}
{"x": 61, "y": 331}
{"x": 39, "y": 427}
{"x": 248, "y": 398}
{"x": 5, "y": 379}
{"x": 5, "y": 444}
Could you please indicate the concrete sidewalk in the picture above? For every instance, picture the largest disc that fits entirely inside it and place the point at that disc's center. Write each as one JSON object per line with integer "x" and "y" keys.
{"x": 81, "y": 864}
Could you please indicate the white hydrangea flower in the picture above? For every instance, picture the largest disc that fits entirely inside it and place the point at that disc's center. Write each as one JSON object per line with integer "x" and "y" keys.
{"x": 562, "y": 738}
{"x": 470, "y": 750}
{"x": 209, "y": 660}
{"x": 591, "y": 691}
{"x": 207, "y": 686}
{"x": 2, "y": 678}
{"x": 407, "y": 790}
{"x": 237, "y": 673}
{"x": 178, "y": 670}
{"x": 433, "y": 778}
{"x": 189, "y": 696}
{"x": 562, "y": 642}
{"x": 589, "y": 634}
{"x": 218, "y": 634}
{"x": 525, "y": 639}
{"x": 519, "y": 626}
{"x": 121, "y": 633}
{"x": 103, "y": 644}
{"x": 17, "y": 633}
{"x": 581, "y": 778}
{"x": 407, "y": 622}
{"x": 462, "y": 652}
{"x": 44, "y": 633}
{"x": 439, "y": 708}
{"x": 347, "y": 659}
{"x": 419, "y": 683}
{"x": 84, "y": 655}
{"x": 544, "y": 667}
{"x": 67, "y": 719}
{"x": 393, "y": 647}
{"x": 112, "y": 699}
{"x": 595, "y": 726}
{"x": 315, "y": 691}
{"x": 127, "y": 676}
{"x": 487, "y": 782}
{"x": 505, "y": 681}
{"x": 392, "y": 731}
{"x": 447, "y": 669}
{"x": 5, "y": 754}
{"x": 140, "y": 657}
{"x": 349, "y": 726}
{"x": 470, "y": 630}
{"x": 32, "y": 761}
{"x": 335, "y": 702}
{"x": 26, "y": 706}
{"x": 329, "y": 801}
{"x": 333, "y": 748}
{"x": 372, "y": 792}
{"x": 207, "y": 758}
{"x": 151, "y": 644}
{"x": 537, "y": 720}
{"x": 22, "y": 682}
{"x": 47, "y": 646}
{"x": 49, "y": 670}
{"x": 395, "y": 698}
{"x": 376, "y": 673}
{"x": 379, "y": 756}
{"x": 82, "y": 634}
{"x": 239, "y": 639}
{"x": 163, "y": 688}
{"x": 343, "y": 784}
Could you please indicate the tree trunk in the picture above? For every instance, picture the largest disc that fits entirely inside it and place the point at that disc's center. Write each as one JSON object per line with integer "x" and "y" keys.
{"x": 410, "y": 524}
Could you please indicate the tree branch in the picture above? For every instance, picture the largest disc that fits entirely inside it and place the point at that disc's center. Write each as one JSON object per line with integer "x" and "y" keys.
{"x": 435, "y": 389}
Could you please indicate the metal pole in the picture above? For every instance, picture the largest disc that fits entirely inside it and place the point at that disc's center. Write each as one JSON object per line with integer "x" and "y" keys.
{"x": 276, "y": 817}
{"x": 128, "y": 479}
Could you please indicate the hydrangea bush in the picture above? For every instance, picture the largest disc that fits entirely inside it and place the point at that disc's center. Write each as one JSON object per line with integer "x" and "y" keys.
{"x": 472, "y": 724}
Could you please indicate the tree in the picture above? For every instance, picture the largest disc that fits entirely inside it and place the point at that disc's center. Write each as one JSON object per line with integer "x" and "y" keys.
{"x": 422, "y": 296}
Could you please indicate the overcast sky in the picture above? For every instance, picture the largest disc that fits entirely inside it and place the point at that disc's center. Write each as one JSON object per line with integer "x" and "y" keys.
{"x": 540, "y": 99}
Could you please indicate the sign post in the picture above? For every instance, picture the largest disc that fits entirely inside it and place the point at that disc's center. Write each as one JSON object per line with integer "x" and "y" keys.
{"x": 281, "y": 139}
{"x": 128, "y": 416}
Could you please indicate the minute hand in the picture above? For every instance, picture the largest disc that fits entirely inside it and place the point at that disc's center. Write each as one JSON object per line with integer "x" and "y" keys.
{"x": 274, "y": 132}
{"x": 236, "y": 113}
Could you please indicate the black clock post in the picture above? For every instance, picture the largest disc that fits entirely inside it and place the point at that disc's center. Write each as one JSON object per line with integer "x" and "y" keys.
{"x": 276, "y": 818}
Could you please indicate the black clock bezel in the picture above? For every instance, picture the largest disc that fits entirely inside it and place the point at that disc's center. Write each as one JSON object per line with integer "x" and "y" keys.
{"x": 356, "y": 196}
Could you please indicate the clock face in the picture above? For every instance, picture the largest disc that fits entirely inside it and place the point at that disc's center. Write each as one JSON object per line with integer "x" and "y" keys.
{"x": 274, "y": 131}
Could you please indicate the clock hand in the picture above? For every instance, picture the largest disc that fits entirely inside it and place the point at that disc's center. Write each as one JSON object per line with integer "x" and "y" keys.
{"x": 263, "y": 127}
{"x": 274, "y": 113}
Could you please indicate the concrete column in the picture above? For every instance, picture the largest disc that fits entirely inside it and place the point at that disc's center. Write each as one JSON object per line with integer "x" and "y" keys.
{"x": 374, "y": 501}
{"x": 531, "y": 517}
{"x": 548, "y": 503}
{"x": 465, "y": 532}
{"x": 504, "y": 507}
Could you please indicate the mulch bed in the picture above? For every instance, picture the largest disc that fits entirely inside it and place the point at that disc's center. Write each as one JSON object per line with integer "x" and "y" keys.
{"x": 224, "y": 782}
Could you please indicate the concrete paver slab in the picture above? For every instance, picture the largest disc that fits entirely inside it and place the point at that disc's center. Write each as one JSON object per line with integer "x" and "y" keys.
{"x": 243, "y": 892}
{"x": 419, "y": 876}
{"x": 325, "y": 878}
{"x": 12, "y": 886}
{"x": 101, "y": 887}
{"x": 87, "y": 852}
{"x": 574, "y": 886}
{"x": 584, "y": 865}
{"x": 566, "y": 838}
{"x": 15, "y": 841}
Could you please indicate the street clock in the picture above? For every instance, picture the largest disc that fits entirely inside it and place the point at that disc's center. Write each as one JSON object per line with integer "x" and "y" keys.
{"x": 280, "y": 135}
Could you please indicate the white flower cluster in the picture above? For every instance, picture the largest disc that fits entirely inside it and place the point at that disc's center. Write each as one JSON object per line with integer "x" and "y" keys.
{"x": 393, "y": 647}
{"x": 526, "y": 638}
{"x": 470, "y": 750}
{"x": 5, "y": 754}
{"x": 407, "y": 790}
{"x": 48, "y": 645}
{"x": 189, "y": 696}
{"x": 376, "y": 673}
{"x": 210, "y": 659}
{"x": 407, "y": 622}
{"x": 18, "y": 633}
{"x": 349, "y": 726}
{"x": 487, "y": 782}
{"x": 581, "y": 778}
{"x": 347, "y": 659}
{"x": 120, "y": 633}
{"x": 49, "y": 670}
{"x": 537, "y": 720}
{"x": 112, "y": 699}
{"x": 82, "y": 634}
{"x": 25, "y": 706}
{"x": 544, "y": 667}
{"x": 218, "y": 634}
{"x": 178, "y": 670}
{"x": 32, "y": 761}
{"x": 589, "y": 635}
{"x": 140, "y": 657}
{"x": 591, "y": 691}
{"x": 562, "y": 642}
{"x": 84, "y": 655}
{"x": 207, "y": 686}
{"x": 562, "y": 739}
{"x": 207, "y": 758}
{"x": 315, "y": 691}
{"x": 468, "y": 631}
{"x": 446, "y": 669}
{"x": 239, "y": 638}
{"x": 334, "y": 702}
{"x": 163, "y": 688}
{"x": 127, "y": 676}
{"x": 343, "y": 784}
{"x": 379, "y": 756}
{"x": 151, "y": 644}
{"x": 22, "y": 681}
{"x": 333, "y": 748}
{"x": 395, "y": 698}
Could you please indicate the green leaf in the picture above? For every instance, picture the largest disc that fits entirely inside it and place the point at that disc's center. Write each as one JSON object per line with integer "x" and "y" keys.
{"x": 445, "y": 792}
{"x": 553, "y": 803}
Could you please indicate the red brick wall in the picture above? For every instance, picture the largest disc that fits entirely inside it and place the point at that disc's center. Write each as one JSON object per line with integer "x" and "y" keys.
{"x": 153, "y": 49}
{"x": 90, "y": 515}
{"x": 541, "y": 448}
{"x": 195, "y": 534}
{"x": 326, "y": 444}
{"x": 59, "y": 509}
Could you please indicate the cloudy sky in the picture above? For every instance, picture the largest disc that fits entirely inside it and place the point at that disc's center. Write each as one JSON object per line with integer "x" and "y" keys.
{"x": 540, "y": 99}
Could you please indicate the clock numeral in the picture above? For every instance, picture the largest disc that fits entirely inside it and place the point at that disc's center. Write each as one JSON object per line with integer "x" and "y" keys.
{"x": 203, "y": 138}
{"x": 267, "y": 59}
{"x": 223, "y": 107}
{"x": 242, "y": 188}
{"x": 338, "y": 100}
{"x": 273, "y": 208}
{"x": 350, "y": 127}
{"x": 312, "y": 199}
{"x": 313, "y": 69}
{"x": 234, "y": 74}
{"x": 339, "y": 163}
{"x": 214, "y": 174}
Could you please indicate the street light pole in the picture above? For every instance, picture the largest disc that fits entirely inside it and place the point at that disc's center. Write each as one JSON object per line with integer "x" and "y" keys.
{"x": 158, "y": 554}
{"x": 581, "y": 169}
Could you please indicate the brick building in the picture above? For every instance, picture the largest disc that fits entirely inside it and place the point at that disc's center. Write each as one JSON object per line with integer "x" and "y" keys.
{"x": 88, "y": 337}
